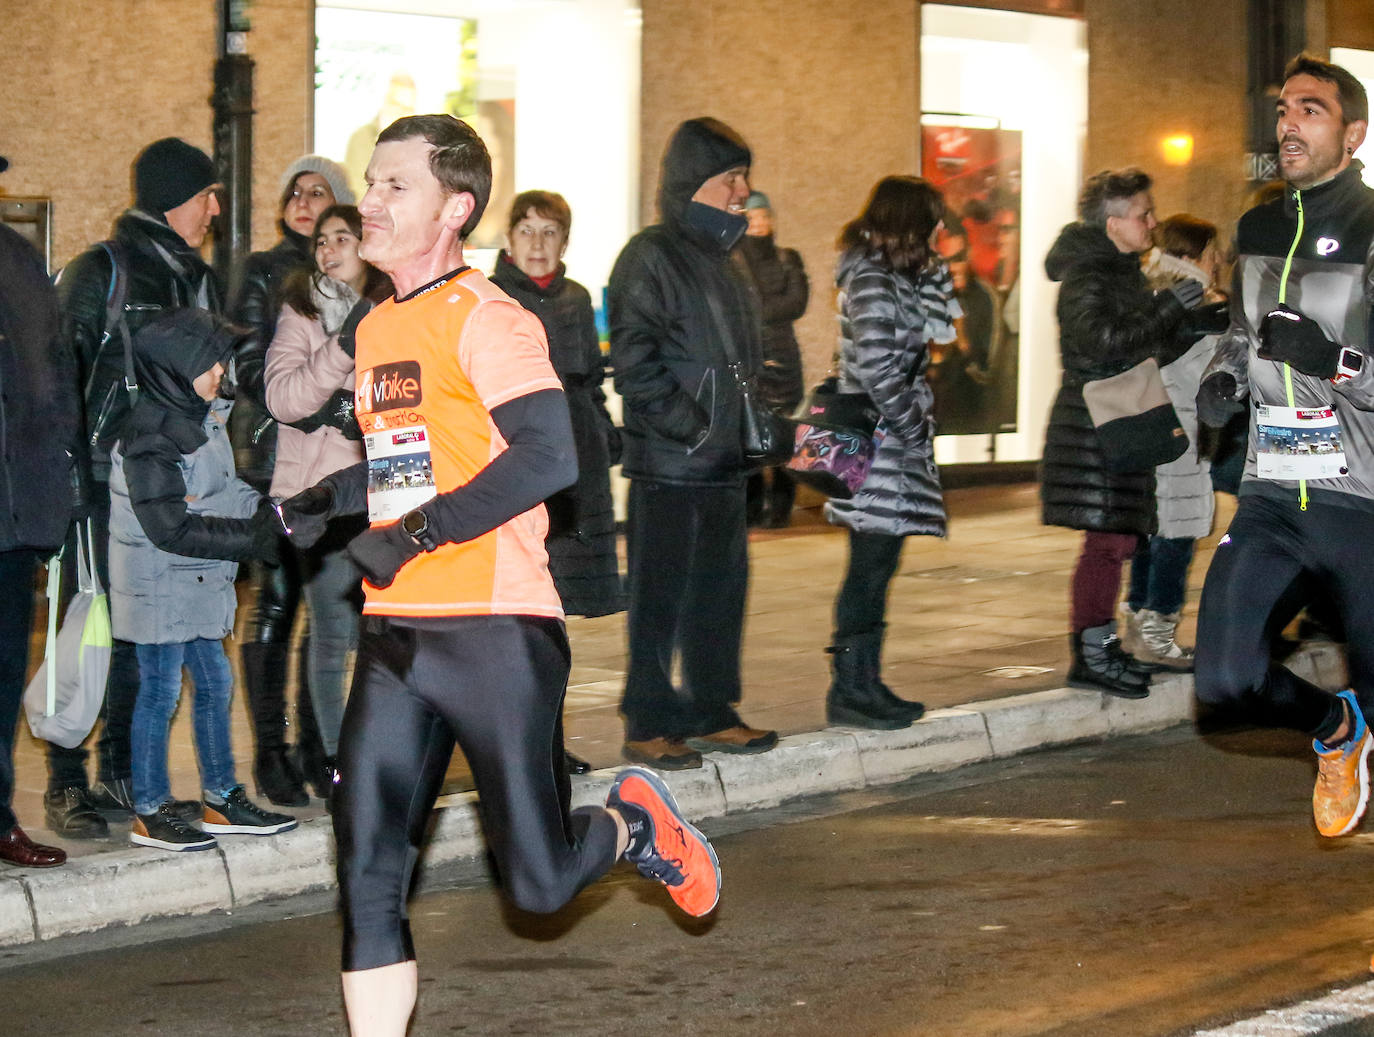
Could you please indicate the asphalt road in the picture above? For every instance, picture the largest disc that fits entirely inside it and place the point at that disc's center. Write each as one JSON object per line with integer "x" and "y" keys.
{"x": 1141, "y": 887}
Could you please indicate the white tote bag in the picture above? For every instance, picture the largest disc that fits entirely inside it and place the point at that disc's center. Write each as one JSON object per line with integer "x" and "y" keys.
{"x": 63, "y": 700}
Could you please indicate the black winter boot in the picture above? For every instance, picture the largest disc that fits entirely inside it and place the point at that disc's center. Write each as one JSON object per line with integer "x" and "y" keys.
{"x": 854, "y": 697}
{"x": 1101, "y": 664}
{"x": 872, "y": 649}
{"x": 264, "y": 679}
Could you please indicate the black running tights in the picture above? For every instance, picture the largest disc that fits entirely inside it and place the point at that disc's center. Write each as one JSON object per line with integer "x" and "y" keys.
{"x": 495, "y": 684}
{"x": 1272, "y": 547}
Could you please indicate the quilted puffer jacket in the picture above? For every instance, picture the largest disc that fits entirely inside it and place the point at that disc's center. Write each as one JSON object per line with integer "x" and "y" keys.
{"x": 887, "y": 320}
{"x": 1109, "y": 321}
{"x": 177, "y": 510}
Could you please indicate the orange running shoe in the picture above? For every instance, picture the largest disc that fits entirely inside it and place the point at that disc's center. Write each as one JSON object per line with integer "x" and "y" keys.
{"x": 663, "y": 844}
{"x": 1342, "y": 790}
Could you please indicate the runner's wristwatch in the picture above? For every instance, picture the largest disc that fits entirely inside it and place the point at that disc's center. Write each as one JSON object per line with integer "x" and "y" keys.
{"x": 1349, "y": 363}
{"x": 415, "y": 524}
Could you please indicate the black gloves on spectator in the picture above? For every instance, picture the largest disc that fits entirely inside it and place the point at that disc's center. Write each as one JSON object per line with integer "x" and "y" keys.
{"x": 1289, "y": 336}
{"x": 1212, "y": 318}
{"x": 307, "y": 513}
{"x": 1189, "y": 292}
{"x": 381, "y": 551}
{"x": 350, "y": 325}
{"x": 267, "y": 533}
{"x": 337, "y": 412}
{"x": 1216, "y": 401}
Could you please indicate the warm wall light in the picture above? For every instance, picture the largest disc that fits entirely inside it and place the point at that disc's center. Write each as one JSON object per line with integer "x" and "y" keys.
{"x": 1178, "y": 149}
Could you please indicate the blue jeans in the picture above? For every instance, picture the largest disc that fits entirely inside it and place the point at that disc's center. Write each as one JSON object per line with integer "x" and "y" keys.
{"x": 1159, "y": 574}
{"x": 158, "y": 692}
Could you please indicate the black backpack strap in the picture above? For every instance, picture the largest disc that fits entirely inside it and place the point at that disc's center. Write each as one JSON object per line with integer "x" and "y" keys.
{"x": 115, "y": 297}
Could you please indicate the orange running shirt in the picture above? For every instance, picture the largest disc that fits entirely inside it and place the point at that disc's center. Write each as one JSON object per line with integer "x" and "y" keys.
{"x": 430, "y": 371}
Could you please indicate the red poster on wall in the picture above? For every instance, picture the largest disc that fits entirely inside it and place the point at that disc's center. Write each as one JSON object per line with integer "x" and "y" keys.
{"x": 978, "y": 169}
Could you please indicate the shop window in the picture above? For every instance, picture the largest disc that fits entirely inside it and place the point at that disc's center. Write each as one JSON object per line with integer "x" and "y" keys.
{"x": 1360, "y": 64}
{"x": 1004, "y": 96}
{"x": 551, "y": 85}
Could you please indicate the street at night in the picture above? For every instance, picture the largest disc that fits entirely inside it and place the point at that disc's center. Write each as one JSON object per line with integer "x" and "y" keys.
{"x": 1146, "y": 886}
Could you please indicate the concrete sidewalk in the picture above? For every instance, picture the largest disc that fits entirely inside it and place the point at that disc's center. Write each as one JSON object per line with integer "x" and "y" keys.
{"x": 977, "y": 632}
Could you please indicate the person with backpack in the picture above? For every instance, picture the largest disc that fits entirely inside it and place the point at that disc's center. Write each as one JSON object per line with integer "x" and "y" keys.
{"x": 180, "y": 521}
{"x": 151, "y": 266}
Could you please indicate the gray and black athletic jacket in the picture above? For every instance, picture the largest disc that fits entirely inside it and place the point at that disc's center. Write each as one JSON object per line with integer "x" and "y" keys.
{"x": 1313, "y": 250}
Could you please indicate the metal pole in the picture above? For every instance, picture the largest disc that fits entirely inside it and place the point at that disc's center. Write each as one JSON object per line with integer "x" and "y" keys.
{"x": 232, "y": 102}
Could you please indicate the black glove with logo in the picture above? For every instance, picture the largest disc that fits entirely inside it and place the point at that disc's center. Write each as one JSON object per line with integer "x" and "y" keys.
{"x": 381, "y": 551}
{"x": 1297, "y": 340}
{"x": 307, "y": 513}
{"x": 1216, "y": 401}
{"x": 350, "y": 325}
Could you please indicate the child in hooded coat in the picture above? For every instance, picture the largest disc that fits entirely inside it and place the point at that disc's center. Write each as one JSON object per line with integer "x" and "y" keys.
{"x": 180, "y": 522}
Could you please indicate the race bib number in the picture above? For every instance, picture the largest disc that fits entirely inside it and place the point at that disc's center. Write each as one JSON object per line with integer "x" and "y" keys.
{"x": 1299, "y": 443}
{"x": 400, "y": 471}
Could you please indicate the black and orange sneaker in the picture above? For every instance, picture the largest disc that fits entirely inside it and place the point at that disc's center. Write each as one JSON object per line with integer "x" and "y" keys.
{"x": 663, "y": 844}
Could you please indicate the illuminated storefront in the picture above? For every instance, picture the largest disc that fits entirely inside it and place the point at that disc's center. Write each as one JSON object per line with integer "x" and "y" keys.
{"x": 551, "y": 85}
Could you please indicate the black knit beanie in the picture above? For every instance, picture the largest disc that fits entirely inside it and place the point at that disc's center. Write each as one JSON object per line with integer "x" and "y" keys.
{"x": 168, "y": 172}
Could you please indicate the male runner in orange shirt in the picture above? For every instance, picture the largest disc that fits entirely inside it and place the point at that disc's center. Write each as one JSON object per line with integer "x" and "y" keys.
{"x": 467, "y": 431}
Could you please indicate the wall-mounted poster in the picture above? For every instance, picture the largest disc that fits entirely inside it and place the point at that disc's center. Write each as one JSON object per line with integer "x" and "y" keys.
{"x": 977, "y": 166}
{"x": 374, "y": 66}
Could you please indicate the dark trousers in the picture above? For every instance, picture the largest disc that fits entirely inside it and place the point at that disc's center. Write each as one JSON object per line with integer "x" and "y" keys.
{"x": 1159, "y": 574}
{"x": 67, "y": 767}
{"x": 16, "y": 621}
{"x": 495, "y": 684}
{"x": 861, "y": 605}
{"x": 1273, "y": 551}
{"x": 688, "y": 555}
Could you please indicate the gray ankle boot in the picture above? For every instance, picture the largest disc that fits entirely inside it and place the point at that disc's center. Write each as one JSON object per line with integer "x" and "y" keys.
{"x": 1101, "y": 664}
{"x": 1159, "y": 647}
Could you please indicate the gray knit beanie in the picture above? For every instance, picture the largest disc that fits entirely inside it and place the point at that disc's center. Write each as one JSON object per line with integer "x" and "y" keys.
{"x": 334, "y": 175}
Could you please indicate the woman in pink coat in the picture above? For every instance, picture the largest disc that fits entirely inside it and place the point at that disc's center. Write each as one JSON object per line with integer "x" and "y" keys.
{"x": 309, "y": 365}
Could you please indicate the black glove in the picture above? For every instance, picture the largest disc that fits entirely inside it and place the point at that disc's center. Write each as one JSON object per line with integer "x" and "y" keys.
{"x": 615, "y": 445}
{"x": 1289, "y": 336}
{"x": 267, "y": 534}
{"x": 350, "y": 325}
{"x": 1189, "y": 292}
{"x": 1216, "y": 401}
{"x": 1211, "y": 319}
{"x": 381, "y": 551}
{"x": 307, "y": 513}
{"x": 337, "y": 412}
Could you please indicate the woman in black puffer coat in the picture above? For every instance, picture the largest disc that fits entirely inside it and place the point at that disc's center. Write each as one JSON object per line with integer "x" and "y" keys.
{"x": 1109, "y": 321}
{"x": 581, "y": 541}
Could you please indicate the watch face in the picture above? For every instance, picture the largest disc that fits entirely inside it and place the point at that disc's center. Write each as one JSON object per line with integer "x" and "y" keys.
{"x": 414, "y": 522}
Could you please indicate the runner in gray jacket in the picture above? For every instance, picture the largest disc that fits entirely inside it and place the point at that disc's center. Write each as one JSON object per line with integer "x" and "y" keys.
{"x": 1299, "y": 348}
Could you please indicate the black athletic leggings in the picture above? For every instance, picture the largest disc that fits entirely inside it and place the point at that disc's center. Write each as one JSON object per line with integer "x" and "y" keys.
{"x": 495, "y": 683}
{"x": 1272, "y": 551}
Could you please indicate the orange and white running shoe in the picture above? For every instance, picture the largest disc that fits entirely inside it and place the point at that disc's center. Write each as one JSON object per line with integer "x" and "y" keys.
{"x": 663, "y": 844}
{"x": 1342, "y": 790}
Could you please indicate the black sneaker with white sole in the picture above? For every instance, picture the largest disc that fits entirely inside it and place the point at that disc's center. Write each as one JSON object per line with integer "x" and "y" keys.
{"x": 239, "y": 815}
{"x": 166, "y": 831}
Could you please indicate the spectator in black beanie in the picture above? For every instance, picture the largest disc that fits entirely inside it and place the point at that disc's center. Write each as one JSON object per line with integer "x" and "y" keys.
{"x": 156, "y": 244}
